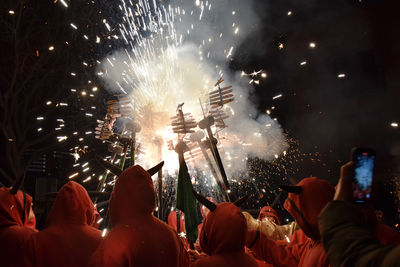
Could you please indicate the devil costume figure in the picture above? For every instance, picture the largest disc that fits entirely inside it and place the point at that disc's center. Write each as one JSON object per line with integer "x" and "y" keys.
{"x": 17, "y": 222}
{"x": 304, "y": 203}
{"x": 223, "y": 236}
{"x": 68, "y": 239}
{"x": 138, "y": 238}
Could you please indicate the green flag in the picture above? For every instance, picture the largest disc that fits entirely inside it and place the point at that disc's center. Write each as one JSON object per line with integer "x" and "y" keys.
{"x": 186, "y": 202}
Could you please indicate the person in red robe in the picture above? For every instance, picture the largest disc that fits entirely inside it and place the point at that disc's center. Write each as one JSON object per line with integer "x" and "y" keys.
{"x": 17, "y": 225}
{"x": 68, "y": 238}
{"x": 223, "y": 236}
{"x": 137, "y": 238}
{"x": 304, "y": 203}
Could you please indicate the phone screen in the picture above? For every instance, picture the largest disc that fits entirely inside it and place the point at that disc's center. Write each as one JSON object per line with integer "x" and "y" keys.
{"x": 363, "y": 174}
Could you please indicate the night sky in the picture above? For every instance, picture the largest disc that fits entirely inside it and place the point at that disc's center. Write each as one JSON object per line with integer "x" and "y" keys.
{"x": 326, "y": 115}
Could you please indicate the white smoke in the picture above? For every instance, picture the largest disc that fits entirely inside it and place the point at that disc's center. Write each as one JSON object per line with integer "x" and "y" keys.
{"x": 178, "y": 63}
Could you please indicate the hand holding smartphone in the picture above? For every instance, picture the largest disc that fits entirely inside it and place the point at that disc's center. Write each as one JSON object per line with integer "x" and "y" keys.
{"x": 364, "y": 162}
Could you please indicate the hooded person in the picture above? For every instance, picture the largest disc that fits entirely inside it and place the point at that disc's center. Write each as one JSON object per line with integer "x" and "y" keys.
{"x": 304, "y": 203}
{"x": 17, "y": 222}
{"x": 266, "y": 224}
{"x": 137, "y": 237}
{"x": 68, "y": 238}
{"x": 223, "y": 236}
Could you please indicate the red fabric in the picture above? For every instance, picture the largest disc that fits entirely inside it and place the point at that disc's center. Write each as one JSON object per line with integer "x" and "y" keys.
{"x": 96, "y": 218}
{"x": 386, "y": 234}
{"x": 260, "y": 263}
{"x": 267, "y": 211}
{"x": 137, "y": 237}
{"x": 14, "y": 234}
{"x": 314, "y": 196}
{"x": 68, "y": 239}
{"x": 223, "y": 237}
{"x": 298, "y": 237}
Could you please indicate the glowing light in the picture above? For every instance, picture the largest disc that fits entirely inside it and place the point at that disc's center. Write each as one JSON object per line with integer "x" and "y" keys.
{"x": 40, "y": 129}
{"x": 64, "y": 3}
{"x": 104, "y": 233}
{"x": 73, "y": 26}
{"x": 277, "y": 96}
{"x": 313, "y": 45}
{"x": 83, "y": 93}
{"x": 40, "y": 118}
{"x": 303, "y": 63}
{"x": 87, "y": 179}
{"x": 394, "y": 124}
{"x": 11, "y": 12}
{"x": 94, "y": 89}
{"x": 51, "y": 48}
{"x": 341, "y": 75}
{"x": 86, "y": 169}
{"x": 289, "y": 13}
{"x": 73, "y": 175}
{"x": 61, "y": 138}
{"x": 280, "y": 46}
{"x": 48, "y": 103}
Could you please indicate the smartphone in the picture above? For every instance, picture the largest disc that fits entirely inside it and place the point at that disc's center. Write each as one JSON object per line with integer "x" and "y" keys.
{"x": 364, "y": 162}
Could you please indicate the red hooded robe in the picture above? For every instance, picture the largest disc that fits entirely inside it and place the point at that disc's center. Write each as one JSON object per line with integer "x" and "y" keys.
{"x": 137, "y": 237}
{"x": 68, "y": 239}
{"x": 304, "y": 208}
{"x": 223, "y": 238}
{"x": 14, "y": 232}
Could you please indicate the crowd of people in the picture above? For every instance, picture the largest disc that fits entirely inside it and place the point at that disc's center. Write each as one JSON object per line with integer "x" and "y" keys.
{"x": 329, "y": 229}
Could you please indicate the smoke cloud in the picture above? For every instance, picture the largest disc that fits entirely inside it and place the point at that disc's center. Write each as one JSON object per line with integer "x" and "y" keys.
{"x": 174, "y": 54}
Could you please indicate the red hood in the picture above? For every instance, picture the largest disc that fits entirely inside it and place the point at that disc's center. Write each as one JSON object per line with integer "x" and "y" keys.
{"x": 96, "y": 218}
{"x": 270, "y": 212}
{"x": 72, "y": 206}
{"x": 133, "y": 195}
{"x": 12, "y": 207}
{"x": 315, "y": 195}
{"x": 224, "y": 230}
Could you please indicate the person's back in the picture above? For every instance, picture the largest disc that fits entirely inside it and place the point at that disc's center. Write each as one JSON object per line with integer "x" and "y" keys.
{"x": 68, "y": 239}
{"x": 304, "y": 206}
{"x": 16, "y": 226}
{"x": 223, "y": 238}
{"x": 138, "y": 238}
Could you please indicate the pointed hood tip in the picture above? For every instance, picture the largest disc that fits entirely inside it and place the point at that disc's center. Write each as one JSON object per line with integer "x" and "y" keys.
{"x": 207, "y": 203}
{"x": 156, "y": 168}
{"x": 295, "y": 189}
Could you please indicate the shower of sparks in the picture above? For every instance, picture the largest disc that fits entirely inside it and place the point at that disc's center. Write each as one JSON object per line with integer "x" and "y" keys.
{"x": 157, "y": 69}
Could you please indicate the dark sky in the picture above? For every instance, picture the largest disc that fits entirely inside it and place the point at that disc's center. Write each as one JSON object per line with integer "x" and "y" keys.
{"x": 324, "y": 113}
{"x": 327, "y": 114}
